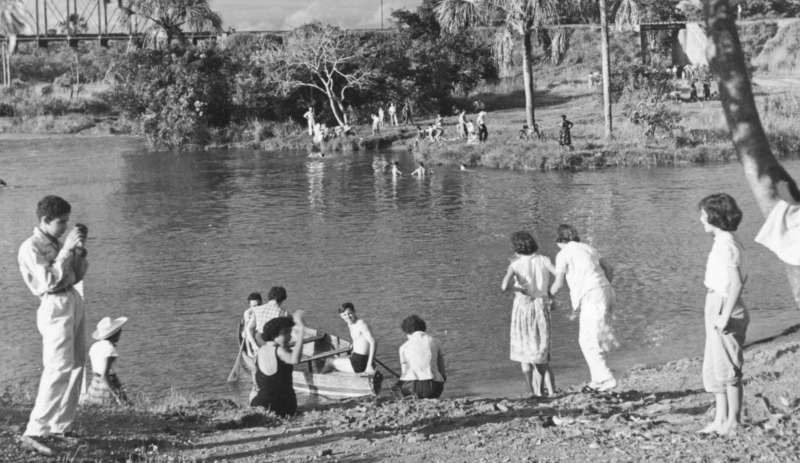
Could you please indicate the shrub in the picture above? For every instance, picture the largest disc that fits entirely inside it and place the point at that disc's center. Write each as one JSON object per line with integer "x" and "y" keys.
{"x": 182, "y": 94}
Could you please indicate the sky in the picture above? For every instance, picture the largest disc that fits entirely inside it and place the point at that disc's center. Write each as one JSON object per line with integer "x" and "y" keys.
{"x": 258, "y": 15}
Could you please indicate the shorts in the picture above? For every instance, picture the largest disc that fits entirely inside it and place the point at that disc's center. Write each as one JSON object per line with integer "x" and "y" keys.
{"x": 359, "y": 362}
{"x": 426, "y": 389}
{"x": 724, "y": 357}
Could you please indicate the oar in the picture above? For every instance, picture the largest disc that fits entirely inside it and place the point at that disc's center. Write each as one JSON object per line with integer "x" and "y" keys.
{"x": 234, "y": 376}
{"x": 384, "y": 366}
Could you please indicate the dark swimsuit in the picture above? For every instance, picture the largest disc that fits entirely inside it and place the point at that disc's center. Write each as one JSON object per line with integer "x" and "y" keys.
{"x": 275, "y": 392}
{"x": 359, "y": 362}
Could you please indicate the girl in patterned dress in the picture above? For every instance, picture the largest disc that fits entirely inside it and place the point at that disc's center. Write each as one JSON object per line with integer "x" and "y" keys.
{"x": 105, "y": 388}
{"x": 528, "y": 276}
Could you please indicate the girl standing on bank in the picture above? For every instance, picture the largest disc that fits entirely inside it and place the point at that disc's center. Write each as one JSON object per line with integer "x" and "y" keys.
{"x": 589, "y": 278}
{"x": 528, "y": 276}
{"x": 726, "y": 317}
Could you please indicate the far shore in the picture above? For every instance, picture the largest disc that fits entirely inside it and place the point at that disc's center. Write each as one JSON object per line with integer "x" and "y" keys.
{"x": 700, "y": 137}
{"x": 652, "y": 416}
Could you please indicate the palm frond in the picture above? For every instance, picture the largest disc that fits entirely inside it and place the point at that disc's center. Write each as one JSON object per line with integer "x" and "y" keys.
{"x": 456, "y": 15}
{"x": 627, "y": 16}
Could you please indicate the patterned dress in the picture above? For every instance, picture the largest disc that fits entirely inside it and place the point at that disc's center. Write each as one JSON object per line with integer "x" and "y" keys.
{"x": 530, "y": 316}
{"x": 98, "y": 393}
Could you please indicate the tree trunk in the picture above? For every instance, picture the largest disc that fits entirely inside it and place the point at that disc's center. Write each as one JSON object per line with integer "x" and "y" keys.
{"x": 527, "y": 74}
{"x": 728, "y": 62}
{"x": 762, "y": 171}
{"x": 335, "y": 110}
{"x": 3, "y": 55}
{"x": 606, "y": 66}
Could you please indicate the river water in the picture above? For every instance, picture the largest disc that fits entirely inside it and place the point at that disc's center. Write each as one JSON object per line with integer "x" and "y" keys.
{"x": 178, "y": 240}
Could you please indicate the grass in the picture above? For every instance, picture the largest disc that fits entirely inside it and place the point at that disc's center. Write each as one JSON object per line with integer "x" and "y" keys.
{"x": 700, "y": 137}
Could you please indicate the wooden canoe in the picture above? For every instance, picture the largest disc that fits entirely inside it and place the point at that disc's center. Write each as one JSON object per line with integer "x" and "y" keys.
{"x": 307, "y": 379}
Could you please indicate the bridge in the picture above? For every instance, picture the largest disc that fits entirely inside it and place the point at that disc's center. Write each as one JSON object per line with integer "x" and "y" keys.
{"x": 73, "y": 21}
{"x": 102, "y": 21}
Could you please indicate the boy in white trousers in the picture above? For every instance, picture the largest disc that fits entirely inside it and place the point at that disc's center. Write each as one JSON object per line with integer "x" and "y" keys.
{"x": 51, "y": 270}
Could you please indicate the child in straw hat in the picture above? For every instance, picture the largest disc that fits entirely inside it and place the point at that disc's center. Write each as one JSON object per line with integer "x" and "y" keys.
{"x": 105, "y": 388}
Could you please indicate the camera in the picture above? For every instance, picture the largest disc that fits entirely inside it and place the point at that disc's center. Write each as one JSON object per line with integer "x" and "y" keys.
{"x": 83, "y": 230}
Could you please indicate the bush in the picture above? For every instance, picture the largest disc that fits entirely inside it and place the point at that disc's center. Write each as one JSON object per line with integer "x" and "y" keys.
{"x": 182, "y": 94}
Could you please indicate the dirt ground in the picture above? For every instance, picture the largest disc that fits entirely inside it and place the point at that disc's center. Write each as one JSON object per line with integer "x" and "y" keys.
{"x": 653, "y": 416}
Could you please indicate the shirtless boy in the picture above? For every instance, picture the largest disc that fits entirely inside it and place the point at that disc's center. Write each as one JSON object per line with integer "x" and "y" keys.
{"x": 364, "y": 345}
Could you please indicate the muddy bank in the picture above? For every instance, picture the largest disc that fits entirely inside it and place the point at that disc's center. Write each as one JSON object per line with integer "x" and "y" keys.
{"x": 653, "y": 416}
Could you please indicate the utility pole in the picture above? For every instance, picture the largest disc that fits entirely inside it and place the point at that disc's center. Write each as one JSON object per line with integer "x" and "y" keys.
{"x": 381, "y": 14}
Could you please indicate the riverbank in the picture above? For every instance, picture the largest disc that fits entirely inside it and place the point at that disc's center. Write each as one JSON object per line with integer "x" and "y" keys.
{"x": 653, "y": 416}
{"x": 701, "y": 136}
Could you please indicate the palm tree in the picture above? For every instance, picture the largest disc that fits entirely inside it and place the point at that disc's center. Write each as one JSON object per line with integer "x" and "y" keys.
{"x": 522, "y": 17}
{"x": 606, "y": 66}
{"x": 767, "y": 178}
{"x": 73, "y": 24}
{"x": 11, "y": 25}
{"x": 627, "y": 14}
{"x": 168, "y": 17}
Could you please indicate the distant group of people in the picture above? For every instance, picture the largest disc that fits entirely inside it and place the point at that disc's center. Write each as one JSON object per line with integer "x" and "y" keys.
{"x": 321, "y": 132}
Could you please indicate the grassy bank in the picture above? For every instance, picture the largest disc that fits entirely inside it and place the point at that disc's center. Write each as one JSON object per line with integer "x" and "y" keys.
{"x": 700, "y": 137}
{"x": 654, "y": 416}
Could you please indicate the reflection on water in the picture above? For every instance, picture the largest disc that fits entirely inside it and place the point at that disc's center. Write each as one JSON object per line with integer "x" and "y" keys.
{"x": 179, "y": 240}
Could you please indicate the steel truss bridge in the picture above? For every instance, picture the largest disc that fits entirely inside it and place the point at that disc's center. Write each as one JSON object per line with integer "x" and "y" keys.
{"x": 74, "y": 21}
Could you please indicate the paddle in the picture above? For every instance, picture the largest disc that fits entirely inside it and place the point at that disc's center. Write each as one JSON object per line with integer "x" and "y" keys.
{"x": 387, "y": 368}
{"x": 234, "y": 376}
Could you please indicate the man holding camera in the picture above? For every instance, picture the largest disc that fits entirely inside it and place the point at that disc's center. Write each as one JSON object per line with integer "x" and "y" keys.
{"x": 51, "y": 270}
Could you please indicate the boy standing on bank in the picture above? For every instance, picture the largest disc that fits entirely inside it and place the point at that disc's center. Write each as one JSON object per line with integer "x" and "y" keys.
{"x": 50, "y": 270}
{"x": 364, "y": 345}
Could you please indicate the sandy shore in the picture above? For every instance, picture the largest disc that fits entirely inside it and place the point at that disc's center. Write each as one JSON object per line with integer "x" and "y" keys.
{"x": 653, "y": 416}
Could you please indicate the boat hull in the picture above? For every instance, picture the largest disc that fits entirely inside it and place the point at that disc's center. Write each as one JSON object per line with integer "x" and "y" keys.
{"x": 307, "y": 379}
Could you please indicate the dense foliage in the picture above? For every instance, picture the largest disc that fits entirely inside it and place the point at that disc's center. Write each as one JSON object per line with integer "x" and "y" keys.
{"x": 180, "y": 93}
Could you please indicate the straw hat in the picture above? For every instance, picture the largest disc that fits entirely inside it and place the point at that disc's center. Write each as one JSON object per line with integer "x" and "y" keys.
{"x": 106, "y": 327}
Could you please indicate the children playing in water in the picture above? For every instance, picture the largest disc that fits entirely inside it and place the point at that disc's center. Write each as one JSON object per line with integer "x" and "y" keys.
{"x": 589, "y": 277}
{"x": 364, "y": 345}
{"x": 726, "y": 316}
{"x": 396, "y": 169}
{"x": 105, "y": 388}
{"x": 420, "y": 171}
{"x": 528, "y": 276}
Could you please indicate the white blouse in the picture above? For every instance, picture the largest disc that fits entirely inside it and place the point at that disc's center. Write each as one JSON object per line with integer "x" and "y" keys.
{"x": 726, "y": 252}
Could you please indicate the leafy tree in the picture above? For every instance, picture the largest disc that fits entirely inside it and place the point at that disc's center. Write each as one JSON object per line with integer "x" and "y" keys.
{"x": 522, "y": 17}
{"x": 168, "y": 18}
{"x": 320, "y": 57}
{"x": 180, "y": 94}
{"x": 424, "y": 65}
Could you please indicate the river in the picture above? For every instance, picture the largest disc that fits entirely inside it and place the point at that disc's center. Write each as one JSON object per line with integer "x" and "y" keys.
{"x": 178, "y": 241}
